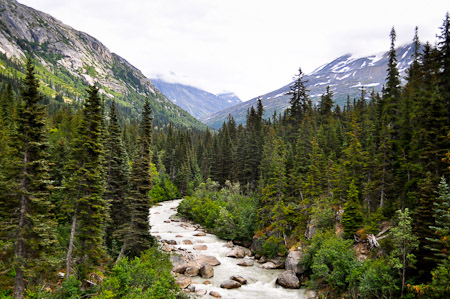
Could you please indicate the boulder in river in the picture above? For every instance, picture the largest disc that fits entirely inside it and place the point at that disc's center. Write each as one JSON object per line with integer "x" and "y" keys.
{"x": 179, "y": 268}
{"x": 183, "y": 281}
{"x": 207, "y": 259}
{"x": 201, "y": 292}
{"x": 236, "y": 252}
{"x": 230, "y": 284}
{"x": 200, "y": 247}
{"x": 206, "y": 271}
{"x": 278, "y": 262}
{"x": 288, "y": 280}
{"x": 215, "y": 294}
{"x": 200, "y": 234}
{"x": 269, "y": 265}
{"x": 187, "y": 242}
{"x": 246, "y": 263}
{"x": 292, "y": 261}
{"x": 192, "y": 269}
{"x": 239, "y": 279}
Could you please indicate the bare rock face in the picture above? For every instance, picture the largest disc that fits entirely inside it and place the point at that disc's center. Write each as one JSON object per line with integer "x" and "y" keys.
{"x": 230, "y": 284}
{"x": 236, "y": 252}
{"x": 206, "y": 271}
{"x": 183, "y": 282}
{"x": 292, "y": 261}
{"x": 239, "y": 279}
{"x": 207, "y": 259}
{"x": 288, "y": 280}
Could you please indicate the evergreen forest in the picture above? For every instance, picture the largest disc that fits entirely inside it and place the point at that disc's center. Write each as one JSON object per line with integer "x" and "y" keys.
{"x": 362, "y": 189}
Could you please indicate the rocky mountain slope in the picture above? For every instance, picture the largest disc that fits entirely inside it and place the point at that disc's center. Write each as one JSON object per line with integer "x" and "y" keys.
{"x": 67, "y": 61}
{"x": 197, "y": 102}
{"x": 345, "y": 75}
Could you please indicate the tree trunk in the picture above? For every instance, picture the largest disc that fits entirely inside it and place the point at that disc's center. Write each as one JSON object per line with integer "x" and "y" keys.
{"x": 122, "y": 251}
{"x": 71, "y": 241}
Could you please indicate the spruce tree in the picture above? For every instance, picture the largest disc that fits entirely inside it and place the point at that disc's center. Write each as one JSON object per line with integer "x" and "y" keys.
{"x": 25, "y": 218}
{"x": 352, "y": 218}
{"x": 85, "y": 186}
{"x": 138, "y": 236}
{"x": 117, "y": 175}
{"x": 440, "y": 237}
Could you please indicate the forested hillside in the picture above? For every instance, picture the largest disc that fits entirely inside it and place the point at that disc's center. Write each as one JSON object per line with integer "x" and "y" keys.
{"x": 360, "y": 191}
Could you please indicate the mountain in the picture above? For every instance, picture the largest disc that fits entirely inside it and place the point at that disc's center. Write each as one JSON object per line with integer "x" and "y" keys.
{"x": 197, "y": 102}
{"x": 345, "y": 75}
{"x": 67, "y": 61}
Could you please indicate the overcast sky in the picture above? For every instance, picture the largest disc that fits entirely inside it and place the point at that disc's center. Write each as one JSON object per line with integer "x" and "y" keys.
{"x": 249, "y": 47}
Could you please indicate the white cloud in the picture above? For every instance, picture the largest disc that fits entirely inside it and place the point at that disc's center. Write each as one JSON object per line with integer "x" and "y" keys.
{"x": 246, "y": 46}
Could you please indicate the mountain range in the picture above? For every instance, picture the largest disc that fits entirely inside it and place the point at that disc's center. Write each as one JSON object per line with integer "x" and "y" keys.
{"x": 345, "y": 75}
{"x": 67, "y": 61}
{"x": 197, "y": 102}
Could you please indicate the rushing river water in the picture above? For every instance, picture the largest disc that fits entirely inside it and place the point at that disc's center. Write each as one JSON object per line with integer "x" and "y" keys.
{"x": 261, "y": 282}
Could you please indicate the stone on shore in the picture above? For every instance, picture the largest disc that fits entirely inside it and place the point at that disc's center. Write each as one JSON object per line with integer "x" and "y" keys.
{"x": 183, "y": 282}
{"x": 292, "y": 261}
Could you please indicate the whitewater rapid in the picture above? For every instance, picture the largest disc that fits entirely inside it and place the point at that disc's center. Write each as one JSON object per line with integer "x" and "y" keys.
{"x": 261, "y": 282}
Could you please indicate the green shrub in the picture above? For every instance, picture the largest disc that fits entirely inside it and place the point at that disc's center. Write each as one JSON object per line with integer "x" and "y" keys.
{"x": 145, "y": 277}
{"x": 374, "y": 279}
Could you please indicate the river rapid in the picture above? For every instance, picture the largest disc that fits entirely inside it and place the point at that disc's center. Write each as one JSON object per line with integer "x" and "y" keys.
{"x": 261, "y": 282}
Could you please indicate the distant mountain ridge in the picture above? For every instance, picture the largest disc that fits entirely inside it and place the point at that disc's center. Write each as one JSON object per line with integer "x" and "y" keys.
{"x": 67, "y": 61}
{"x": 197, "y": 102}
{"x": 345, "y": 75}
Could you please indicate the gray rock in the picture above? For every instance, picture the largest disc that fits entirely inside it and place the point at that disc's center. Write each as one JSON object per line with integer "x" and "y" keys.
{"x": 206, "y": 271}
{"x": 207, "y": 259}
{"x": 215, "y": 294}
{"x": 192, "y": 269}
{"x": 292, "y": 261}
{"x": 288, "y": 280}
{"x": 183, "y": 282}
{"x": 236, "y": 252}
{"x": 246, "y": 263}
{"x": 239, "y": 279}
{"x": 230, "y": 284}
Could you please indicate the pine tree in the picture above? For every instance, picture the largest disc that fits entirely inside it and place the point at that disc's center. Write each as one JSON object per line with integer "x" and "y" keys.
{"x": 85, "y": 186}
{"x": 138, "y": 236}
{"x": 25, "y": 218}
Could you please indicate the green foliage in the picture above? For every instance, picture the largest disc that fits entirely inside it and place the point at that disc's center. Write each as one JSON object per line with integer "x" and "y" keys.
{"x": 352, "y": 218}
{"x": 147, "y": 276}
{"x": 229, "y": 214}
{"x": 373, "y": 279}
{"x": 403, "y": 242}
{"x": 333, "y": 262}
{"x": 273, "y": 247}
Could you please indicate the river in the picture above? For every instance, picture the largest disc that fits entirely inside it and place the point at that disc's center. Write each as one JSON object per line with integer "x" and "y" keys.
{"x": 261, "y": 282}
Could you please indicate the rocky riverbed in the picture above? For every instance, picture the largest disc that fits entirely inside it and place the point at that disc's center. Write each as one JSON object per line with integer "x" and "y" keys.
{"x": 212, "y": 268}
